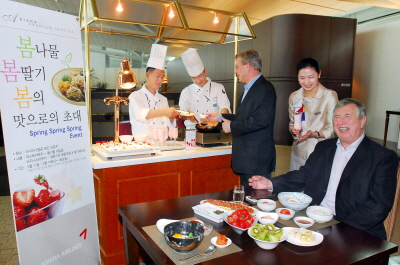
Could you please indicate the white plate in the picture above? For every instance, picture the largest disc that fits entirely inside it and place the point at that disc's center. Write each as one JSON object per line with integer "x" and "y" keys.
{"x": 57, "y": 77}
{"x": 214, "y": 242}
{"x": 185, "y": 113}
{"x": 318, "y": 239}
{"x": 162, "y": 223}
{"x": 222, "y": 209}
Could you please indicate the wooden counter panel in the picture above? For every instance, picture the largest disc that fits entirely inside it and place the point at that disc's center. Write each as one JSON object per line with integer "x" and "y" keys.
{"x": 149, "y": 182}
{"x": 150, "y": 188}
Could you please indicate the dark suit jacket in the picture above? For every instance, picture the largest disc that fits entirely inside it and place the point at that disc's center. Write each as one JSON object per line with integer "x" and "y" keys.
{"x": 366, "y": 189}
{"x": 253, "y": 149}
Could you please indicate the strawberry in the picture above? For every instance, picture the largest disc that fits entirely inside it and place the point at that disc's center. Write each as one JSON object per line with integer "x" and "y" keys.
{"x": 43, "y": 199}
{"x": 20, "y": 222}
{"x": 23, "y": 198}
{"x": 41, "y": 180}
{"x": 55, "y": 195}
{"x": 36, "y": 216}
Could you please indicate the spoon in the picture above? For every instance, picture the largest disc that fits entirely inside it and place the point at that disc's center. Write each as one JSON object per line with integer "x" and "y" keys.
{"x": 210, "y": 250}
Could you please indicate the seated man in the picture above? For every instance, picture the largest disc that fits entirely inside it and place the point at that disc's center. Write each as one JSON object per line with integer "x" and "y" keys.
{"x": 353, "y": 176}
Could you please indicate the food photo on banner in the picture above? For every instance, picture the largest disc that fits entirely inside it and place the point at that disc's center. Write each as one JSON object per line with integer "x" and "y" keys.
{"x": 46, "y": 136}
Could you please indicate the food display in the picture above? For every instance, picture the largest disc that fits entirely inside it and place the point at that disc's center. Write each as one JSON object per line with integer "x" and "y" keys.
{"x": 267, "y": 232}
{"x": 241, "y": 218}
{"x": 303, "y": 235}
{"x": 221, "y": 240}
{"x": 69, "y": 84}
{"x": 284, "y": 211}
{"x": 112, "y": 146}
{"x": 33, "y": 207}
{"x": 229, "y": 206}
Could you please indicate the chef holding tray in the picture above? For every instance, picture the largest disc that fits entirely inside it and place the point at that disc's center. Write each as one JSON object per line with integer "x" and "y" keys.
{"x": 147, "y": 107}
{"x": 203, "y": 96}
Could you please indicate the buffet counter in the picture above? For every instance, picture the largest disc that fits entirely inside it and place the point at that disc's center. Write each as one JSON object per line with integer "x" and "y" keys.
{"x": 168, "y": 174}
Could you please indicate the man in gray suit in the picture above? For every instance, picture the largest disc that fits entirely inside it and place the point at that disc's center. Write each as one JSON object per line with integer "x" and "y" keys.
{"x": 353, "y": 176}
{"x": 252, "y": 126}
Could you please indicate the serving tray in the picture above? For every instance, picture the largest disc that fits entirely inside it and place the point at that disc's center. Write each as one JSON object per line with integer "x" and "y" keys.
{"x": 119, "y": 153}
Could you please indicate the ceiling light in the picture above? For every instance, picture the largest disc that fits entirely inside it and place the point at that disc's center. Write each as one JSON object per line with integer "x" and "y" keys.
{"x": 215, "y": 18}
{"x": 171, "y": 12}
{"x": 119, "y": 7}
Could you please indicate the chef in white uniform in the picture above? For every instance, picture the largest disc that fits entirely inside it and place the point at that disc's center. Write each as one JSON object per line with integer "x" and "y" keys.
{"x": 147, "y": 107}
{"x": 203, "y": 96}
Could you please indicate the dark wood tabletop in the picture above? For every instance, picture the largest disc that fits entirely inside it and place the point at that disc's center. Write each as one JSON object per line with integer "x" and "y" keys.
{"x": 342, "y": 244}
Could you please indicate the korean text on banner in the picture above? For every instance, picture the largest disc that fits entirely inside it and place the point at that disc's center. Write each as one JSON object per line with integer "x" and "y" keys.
{"x": 46, "y": 136}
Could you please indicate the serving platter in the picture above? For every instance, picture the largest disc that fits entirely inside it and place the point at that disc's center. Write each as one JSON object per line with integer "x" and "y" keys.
{"x": 291, "y": 239}
{"x": 119, "y": 153}
{"x": 231, "y": 203}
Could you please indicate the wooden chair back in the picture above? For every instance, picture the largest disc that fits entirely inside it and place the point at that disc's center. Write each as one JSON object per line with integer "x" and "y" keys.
{"x": 391, "y": 218}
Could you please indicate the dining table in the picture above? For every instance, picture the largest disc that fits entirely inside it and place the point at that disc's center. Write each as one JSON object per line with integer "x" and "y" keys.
{"x": 342, "y": 243}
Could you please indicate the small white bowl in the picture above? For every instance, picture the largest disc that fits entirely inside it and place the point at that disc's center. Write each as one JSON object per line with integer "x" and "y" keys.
{"x": 140, "y": 137}
{"x": 267, "y": 244}
{"x": 307, "y": 222}
{"x": 320, "y": 214}
{"x": 261, "y": 217}
{"x": 161, "y": 223}
{"x": 214, "y": 242}
{"x": 126, "y": 138}
{"x": 266, "y": 205}
{"x": 285, "y": 216}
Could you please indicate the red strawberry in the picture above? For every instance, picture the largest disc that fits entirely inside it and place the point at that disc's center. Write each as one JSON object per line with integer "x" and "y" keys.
{"x": 41, "y": 180}
{"x": 36, "y": 216}
{"x": 20, "y": 224}
{"x": 19, "y": 212}
{"x": 23, "y": 198}
{"x": 43, "y": 199}
{"x": 55, "y": 195}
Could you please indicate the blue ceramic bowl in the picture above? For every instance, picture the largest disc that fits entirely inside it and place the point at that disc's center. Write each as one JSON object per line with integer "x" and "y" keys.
{"x": 296, "y": 201}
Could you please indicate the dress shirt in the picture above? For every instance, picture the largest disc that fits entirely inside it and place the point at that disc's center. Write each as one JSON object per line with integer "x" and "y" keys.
{"x": 342, "y": 156}
{"x": 248, "y": 86}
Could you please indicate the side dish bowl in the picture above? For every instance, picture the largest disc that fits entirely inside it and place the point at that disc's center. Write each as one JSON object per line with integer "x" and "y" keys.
{"x": 267, "y": 218}
{"x": 319, "y": 214}
{"x": 296, "y": 201}
{"x": 266, "y": 205}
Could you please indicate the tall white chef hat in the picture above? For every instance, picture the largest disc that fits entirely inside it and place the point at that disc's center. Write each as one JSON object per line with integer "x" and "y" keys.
{"x": 192, "y": 62}
{"x": 157, "y": 56}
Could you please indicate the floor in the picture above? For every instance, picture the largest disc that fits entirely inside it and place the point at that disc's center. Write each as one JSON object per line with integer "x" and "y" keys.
{"x": 8, "y": 246}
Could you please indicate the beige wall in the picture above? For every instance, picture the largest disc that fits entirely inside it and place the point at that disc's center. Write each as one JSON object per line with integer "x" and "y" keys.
{"x": 376, "y": 79}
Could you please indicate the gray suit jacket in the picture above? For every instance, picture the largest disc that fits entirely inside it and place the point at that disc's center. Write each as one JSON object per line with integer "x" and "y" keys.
{"x": 253, "y": 148}
{"x": 366, "y": 189}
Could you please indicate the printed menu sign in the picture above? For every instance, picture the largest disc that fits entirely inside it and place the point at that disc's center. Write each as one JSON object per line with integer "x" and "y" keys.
{"x": 46, "y": 135}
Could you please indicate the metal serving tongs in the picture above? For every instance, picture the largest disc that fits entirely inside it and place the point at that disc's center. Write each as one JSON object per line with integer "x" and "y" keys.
{"x": 210, "y": 250}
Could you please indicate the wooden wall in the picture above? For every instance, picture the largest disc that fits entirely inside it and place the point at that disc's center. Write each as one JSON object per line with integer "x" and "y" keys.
{"x": 282, "y": 41}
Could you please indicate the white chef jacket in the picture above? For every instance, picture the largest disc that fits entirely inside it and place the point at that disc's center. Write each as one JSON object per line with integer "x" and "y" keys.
{"x": 209, "y": 98}
{"x": 140, "y": 103}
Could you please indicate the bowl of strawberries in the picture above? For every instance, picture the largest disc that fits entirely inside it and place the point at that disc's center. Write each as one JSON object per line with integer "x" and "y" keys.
{"x": 33, "y": 207}
{"x": 240, "y": 220}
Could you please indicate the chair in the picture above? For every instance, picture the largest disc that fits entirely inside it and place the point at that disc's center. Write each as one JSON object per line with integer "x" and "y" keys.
{"x": 391, "y": 218}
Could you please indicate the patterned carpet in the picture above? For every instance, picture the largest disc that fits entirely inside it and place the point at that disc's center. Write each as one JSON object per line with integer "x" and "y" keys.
{"x": 8, "y": 243}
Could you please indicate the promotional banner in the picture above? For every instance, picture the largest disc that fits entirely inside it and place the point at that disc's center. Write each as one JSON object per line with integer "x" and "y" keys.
{"x": 46, "y": 135}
